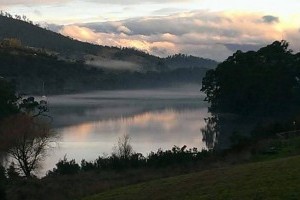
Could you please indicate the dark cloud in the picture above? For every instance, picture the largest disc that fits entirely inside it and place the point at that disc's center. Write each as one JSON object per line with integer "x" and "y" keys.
{"x": 243, "y": 47}
{"x": 53, "y": 27}
{"x": 269, "y": 19}
{"x": 201, "y": 22}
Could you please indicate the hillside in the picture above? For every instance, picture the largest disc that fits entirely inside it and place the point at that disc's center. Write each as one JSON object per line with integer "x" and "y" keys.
{"x": 100, "y": 56}
{"x": 276, "y": 179}
{"x": 36, "y": 72}
{"x": 179, "y": 60}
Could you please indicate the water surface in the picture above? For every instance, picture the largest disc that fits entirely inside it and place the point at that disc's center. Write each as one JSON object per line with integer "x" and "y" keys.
{"x": 89, "y": 124}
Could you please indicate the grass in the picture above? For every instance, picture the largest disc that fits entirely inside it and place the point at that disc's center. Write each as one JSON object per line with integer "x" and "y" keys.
{"x": 275, "y": 179}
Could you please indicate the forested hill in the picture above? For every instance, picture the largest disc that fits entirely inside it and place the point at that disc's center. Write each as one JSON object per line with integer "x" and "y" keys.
{"x": 36, "y": 72}
{"x": 35, "y": 36}
{"x": 67, "y": 48}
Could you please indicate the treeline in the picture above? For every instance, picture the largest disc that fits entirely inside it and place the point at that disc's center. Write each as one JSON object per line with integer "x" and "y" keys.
{"x": 188, "y": 61}
{"x": 176, "y": 156}
{"x": 18, "y": 17}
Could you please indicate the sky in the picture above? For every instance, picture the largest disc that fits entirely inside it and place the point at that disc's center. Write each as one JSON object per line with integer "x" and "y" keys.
{"x": 207, "y": 28}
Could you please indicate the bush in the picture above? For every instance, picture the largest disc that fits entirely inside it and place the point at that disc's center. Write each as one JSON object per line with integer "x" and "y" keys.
{"x": 65, "y": 167}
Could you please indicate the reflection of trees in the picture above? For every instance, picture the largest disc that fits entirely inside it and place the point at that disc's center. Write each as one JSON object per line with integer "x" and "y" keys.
{"x": 210, "y": 132}
{"x": 26, "y": 140}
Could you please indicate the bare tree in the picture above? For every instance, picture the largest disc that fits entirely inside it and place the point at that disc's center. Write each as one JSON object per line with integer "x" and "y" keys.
{"x": 124, "y": 149}
{"x": 28, "y": 140}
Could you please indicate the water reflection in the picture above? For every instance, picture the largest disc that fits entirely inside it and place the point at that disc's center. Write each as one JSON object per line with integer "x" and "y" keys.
{"x": 223, "y": 130}
{"x": 90, "y": 124}
{"x": 149, "y": 131}
{"x": 75, "y": 109}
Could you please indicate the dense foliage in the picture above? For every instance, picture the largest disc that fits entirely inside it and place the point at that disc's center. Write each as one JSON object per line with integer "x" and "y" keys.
{"x": 8, "y": 99}
{"x": 265, "y": 81}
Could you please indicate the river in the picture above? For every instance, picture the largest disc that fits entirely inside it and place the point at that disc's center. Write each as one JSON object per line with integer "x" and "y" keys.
{"x": 89, "y": 124}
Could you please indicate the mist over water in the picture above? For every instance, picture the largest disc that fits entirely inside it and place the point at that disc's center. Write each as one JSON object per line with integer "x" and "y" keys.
{"x": 89, "y": 124}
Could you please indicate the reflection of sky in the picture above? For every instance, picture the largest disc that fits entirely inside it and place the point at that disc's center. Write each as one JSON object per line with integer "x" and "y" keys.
{"x": 149, "y": 131}
{"x": 89, "y": 124}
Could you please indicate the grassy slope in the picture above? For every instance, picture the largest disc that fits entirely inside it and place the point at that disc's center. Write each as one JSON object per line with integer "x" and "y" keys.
{"x": 276, "y": 179}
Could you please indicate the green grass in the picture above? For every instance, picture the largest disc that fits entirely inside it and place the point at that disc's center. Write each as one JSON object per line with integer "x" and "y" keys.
{"x": 283, "y": 148}
{"x": 275, "y": 179}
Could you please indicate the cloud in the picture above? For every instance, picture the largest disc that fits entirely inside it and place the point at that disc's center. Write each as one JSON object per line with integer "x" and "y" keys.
{"x": 201, "y": 33}
{"x": 123, "y": 29}
{"x": 269, "y": 19}
{"x": 166, "y": 11}
{"x": 130, "y": 2}
{"x": 80, "y": 33}
{"x": 30, "y": 2}
{"x": 114, "y": 2}
{"x": 37, "y": 12}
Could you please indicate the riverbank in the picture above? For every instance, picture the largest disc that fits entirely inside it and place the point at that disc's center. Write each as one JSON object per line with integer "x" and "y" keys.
{"x": 262, "y": 162}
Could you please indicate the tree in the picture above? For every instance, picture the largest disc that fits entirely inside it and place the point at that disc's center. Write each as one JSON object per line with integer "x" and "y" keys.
{"x": 24, "y": 135}
{"x": 8, "y": 99}
{"x": 263, "y": 81}
{"x": 124, "y": 149}
{"x": 27, "y": 142}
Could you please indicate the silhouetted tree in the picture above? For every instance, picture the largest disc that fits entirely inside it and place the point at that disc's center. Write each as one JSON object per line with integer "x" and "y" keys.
{"x": 8, "y": 99}
{"x": 264, "y": 81}
{"x": 124, "y": 149}
{"x": 28, "y": 140}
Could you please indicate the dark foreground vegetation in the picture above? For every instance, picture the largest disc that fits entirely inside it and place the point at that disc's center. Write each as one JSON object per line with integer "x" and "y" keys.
{"x": 70, "y": 180}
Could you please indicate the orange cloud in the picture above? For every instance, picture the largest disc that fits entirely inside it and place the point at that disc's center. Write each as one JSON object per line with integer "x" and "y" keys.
{"x": 199, "y": 33}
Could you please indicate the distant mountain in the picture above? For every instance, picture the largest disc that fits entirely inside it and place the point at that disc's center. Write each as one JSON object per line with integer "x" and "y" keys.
{"x": 100, "y": 56}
